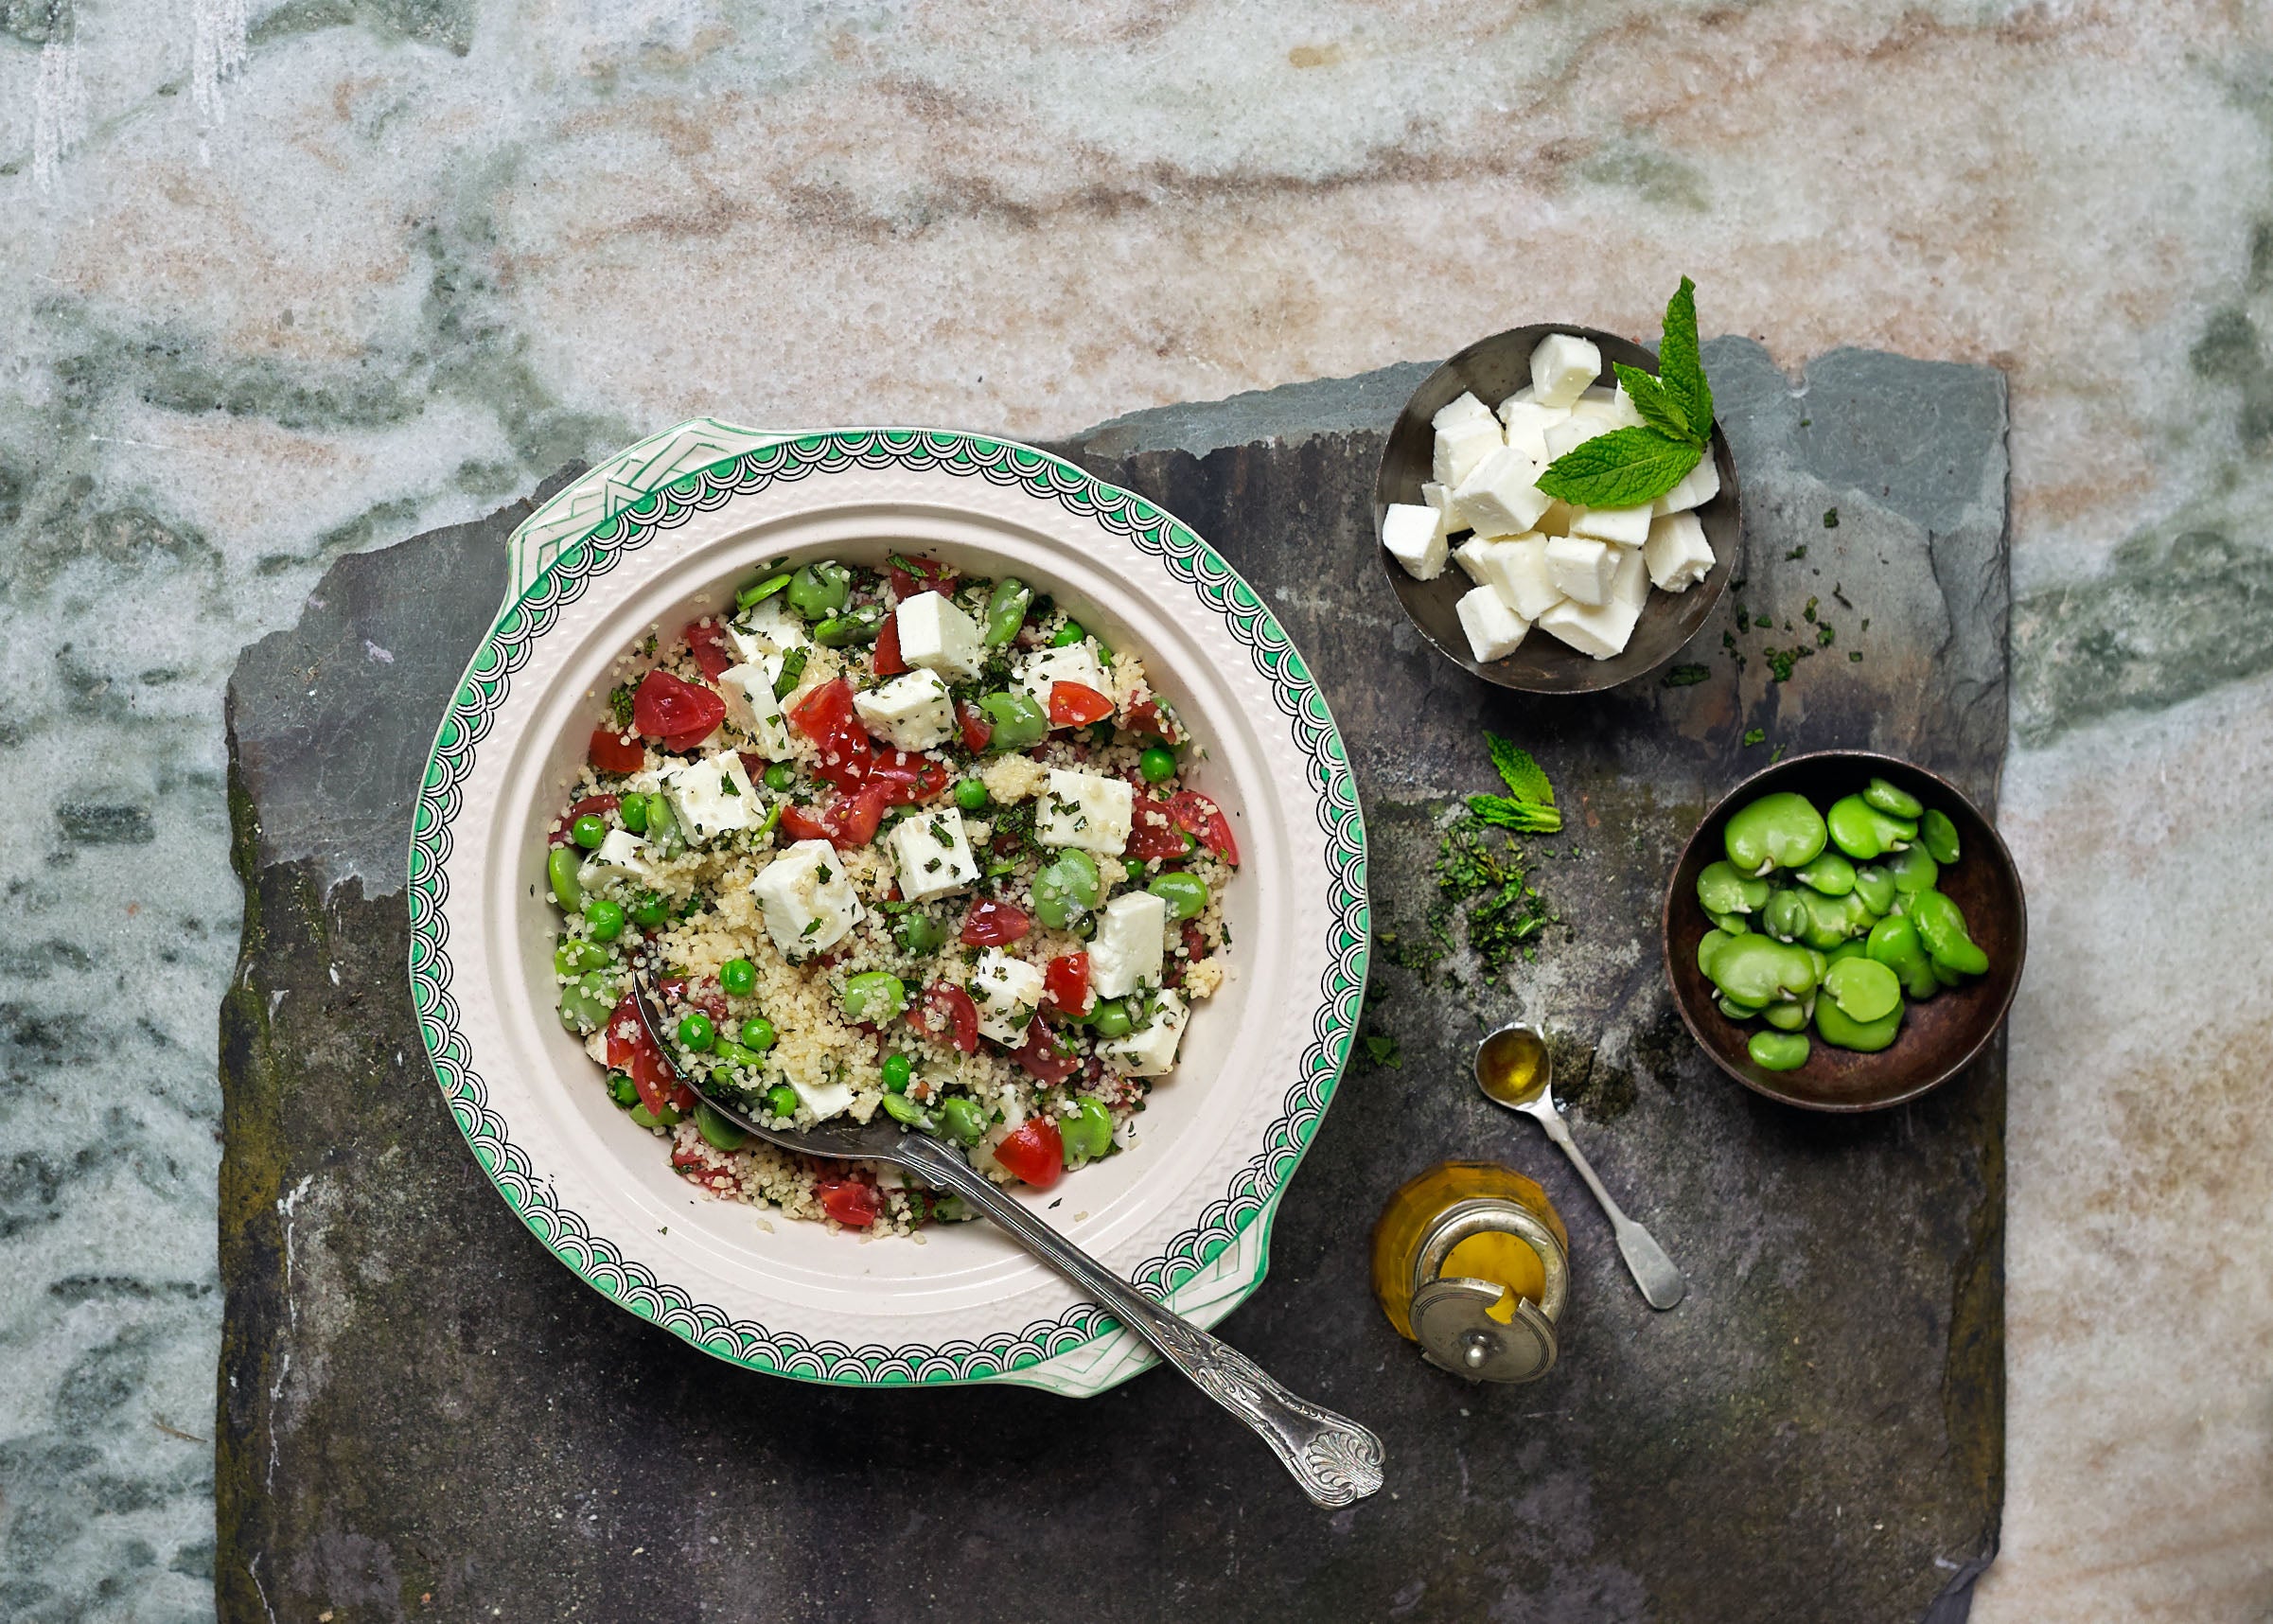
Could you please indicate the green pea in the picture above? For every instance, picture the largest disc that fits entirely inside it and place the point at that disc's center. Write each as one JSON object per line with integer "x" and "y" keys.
{"x": 919, "y": 934}
{"x": 1778, "y": 1051}
{"x": 780, "y": 777}
{"x": 1734, "y": 924}
{"x": 716, "y": 1131}
{"x": 781, "y": 1100}
{"x": 581, "y": 1010}
{"x": 1938, "y": 836}
{"x": 971, "y": 795}
{"x": 588, "y": 830}
{"x": 1020, "y": 721}
{"x": 1736, "y": 1009}
{"x": 1830, "y": 874}
{"x": 1942, "y": 927}
{"x": 1876, "y": 887}
{"x": 697, "y": 1032}
{"x": 1893, "y": 941}
{"x": 633, "y": 810}
{"x": 1893, "y": 801}
{"x": 1843, "y": 1031}
{"x": 1134, "y": 868}
{"x": 1781, "y": 830}
{"x": 874, "y": 997}
{"x": 962, "y": 1120}
{"x": 1913, "y": 870}
{"x": 1185, "y": 895}
{"x": 1863, "y": 832}
{"x": 899, "y": 1108}
{"x": 1087, "y": 1133}
{"x": 1067, "y": 635}
{"x": 1784, "y": 1016}
{"x": 573, "y": 957}
{"x": 561, "y": 870}
{"x": 1111, "y": 1018}
{"x": 1158, "y": 763}
{"x": 818, "y": 591}
{"x": 897, "y": 1071}
{"x": 758, "y": 1034}
{"x": 1722, "y": 889}
{"x": 738, "y": 976}
{"x": 1006, "y": 610}
{"x": 1786, "y": 915}
{"x": 622, "y": 1089}
{"x": 844, "y": 630}
{"x": 649, "y": 911}
{"x": 1864, "y": 989}
{"x": 1755, "y": 970}
{"x": 603, "y": 918}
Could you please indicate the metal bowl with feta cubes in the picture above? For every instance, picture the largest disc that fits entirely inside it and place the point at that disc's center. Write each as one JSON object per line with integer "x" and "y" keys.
{"x": 921, "y": 775}
{"x": 1525, "y": 592}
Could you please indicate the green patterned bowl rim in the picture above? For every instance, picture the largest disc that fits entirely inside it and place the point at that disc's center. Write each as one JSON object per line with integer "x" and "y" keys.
{"x": 571, "y": 544}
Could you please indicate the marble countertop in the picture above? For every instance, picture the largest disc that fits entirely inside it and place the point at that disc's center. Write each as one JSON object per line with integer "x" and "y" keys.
{"x": 291, "y": 280}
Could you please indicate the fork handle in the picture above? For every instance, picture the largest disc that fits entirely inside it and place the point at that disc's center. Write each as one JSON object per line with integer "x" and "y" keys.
{"x": 1334, "y": 1458}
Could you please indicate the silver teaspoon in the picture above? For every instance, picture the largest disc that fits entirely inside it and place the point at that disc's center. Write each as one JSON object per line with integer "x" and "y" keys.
{"x": 1334, "y": 1458}
{"x": 1514, "y": 1070}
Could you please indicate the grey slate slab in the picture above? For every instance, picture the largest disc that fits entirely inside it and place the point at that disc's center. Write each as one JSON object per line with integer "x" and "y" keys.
{"x": 423, "y": 1415}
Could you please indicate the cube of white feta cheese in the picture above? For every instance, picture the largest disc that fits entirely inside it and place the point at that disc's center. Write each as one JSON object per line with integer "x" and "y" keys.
{"x": 1501, "y": 497}
{"x": 767, "y": 627}
{"x": 1008, "y": 991}
{"x": 620, "y": 857}
{"x": 1678, "y": 553}
{"x": 1580, "y": 568}
{"x": 1075, "y": 663}
{"x": 1086, "y": 809}
{"x": 1152, "y": 1048}
{"x": 932, "y": 853}
{"x": 1626, "y": 526}
{"x": 748, "y": 691}
{"x": 1466, "y": 432}
{"x": 1526, "y": 396}
{"x": 1440, "y": 498}
{"x": 1516, "y": 567}
{"x": 1415, "y": 537}
{"x": 1573, "y": 431}
{"x": 1630, "y": 579}
{"x": 807, "y": 898}
{"x": 1600, "y": 630}
{"x": 1610, "y": 406}
{"x": 824, "y": 1100}
{"x": 1527, "y": 426}
{"x": 937, "y": 636}
{"x": 711, "y": 796}
{"x": 913, "y": 712}
{"x": 1126, "y": 953}
{"x": 1697, "y": 486}
{"x": 1557, "y": 519}
{"x": 1494, "y": 630}
{"x": 1563, "y": 366}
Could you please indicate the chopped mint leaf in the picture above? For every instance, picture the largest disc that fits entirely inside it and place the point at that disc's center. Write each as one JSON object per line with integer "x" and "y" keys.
{"x": 1830, "y": 519}
{"x": 1622, "y": 469}
{"x": 1683, "y": 676}
{"x": 1754, "y": 735}
{"x": 1796, "y": 554}
{"x": 1384, "y": 1051}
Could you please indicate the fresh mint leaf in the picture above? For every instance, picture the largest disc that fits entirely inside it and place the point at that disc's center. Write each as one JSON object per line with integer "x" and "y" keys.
{"x": 1622, "y": 469}
{"x": 1679, "y": 365}
{"x": 1525, "y": 778}
{"x": 1525, "y": 816}
{"x": 1654, "y": 401}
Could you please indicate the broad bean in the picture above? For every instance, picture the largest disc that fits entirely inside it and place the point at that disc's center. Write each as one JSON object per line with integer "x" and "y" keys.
{"x": 1722, "y": 889}
{"x": 1830, "y": 874}
{"x": 1893, "y": 800}
{"x": 1843, "y": 1031}
{"x": 1786, "y": 915}
{"x": 1755, "y": 970}
{"x": 1087, "y": 1133}
{"x": 1938, "y": 836}
{"x": 1006, "y": 610}
{"x": 1912, "y": 870}
{"x": 1876, "y": 887}
{"x": 1864, "y": 989}
{"x": 1778, "y": 1051}
{"x": 818, "y": 591}
{"x": 716, "y": 1131}
{"x": 1941, "y": 928}
{"x": 1893, "y": 943}
{"x": 1863, "y": 832}
{"x": 1784, "y": 1016}
{"x": 1783, "y": 830}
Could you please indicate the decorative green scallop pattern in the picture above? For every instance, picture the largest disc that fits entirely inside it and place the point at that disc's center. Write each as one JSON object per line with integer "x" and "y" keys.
{"x": 1253, "y": 1192}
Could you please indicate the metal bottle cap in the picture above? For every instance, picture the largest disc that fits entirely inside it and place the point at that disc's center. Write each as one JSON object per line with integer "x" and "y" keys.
{"x": 1451, "y": 1319}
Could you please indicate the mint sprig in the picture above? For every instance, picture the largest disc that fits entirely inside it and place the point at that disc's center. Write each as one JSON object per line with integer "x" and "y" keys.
{"x": 1629, "y": 467}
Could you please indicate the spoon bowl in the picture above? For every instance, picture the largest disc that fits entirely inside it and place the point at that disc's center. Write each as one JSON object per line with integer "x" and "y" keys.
{"x": 1514, "y": 1067}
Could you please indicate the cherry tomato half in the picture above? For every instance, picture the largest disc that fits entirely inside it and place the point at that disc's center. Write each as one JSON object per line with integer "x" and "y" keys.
{"x": 977, "y": 730}
{"x": 887, "y": 656}
{"x": 851, "y": 1202}
{"x": 907, "y": 780}
{"x": 1153, "y": 831}
{"x": 1033, "y": 1151}
{"x": 1043, "y": 1059}
{"x": 920, "y": 576}
{"x": 1065, "y": 985}
{"x": 826, "y": 716}
{"x": 992, "y": 924}
{"x": 610, "y": 754}
{"x": 678, "y": 713}
{"x": 946, "y": 1015}
{"x": 1197, "y": 815}
{"x": 705, "y": 642}
{"x": 1076, "y": 705}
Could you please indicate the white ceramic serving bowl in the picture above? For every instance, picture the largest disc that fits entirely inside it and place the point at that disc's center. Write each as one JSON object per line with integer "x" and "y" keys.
{"x": 663, "y": 534}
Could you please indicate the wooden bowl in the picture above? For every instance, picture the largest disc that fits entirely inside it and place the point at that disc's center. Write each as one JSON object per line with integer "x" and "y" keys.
{"x": 1939, "y": 1037}
{"x": 1494, "y": 368}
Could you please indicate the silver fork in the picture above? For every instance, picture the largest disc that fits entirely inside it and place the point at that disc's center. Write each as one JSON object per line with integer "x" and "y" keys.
{"x": 1335, "y": 1459}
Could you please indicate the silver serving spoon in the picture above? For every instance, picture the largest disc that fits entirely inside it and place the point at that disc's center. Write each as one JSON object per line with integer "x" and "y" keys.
{"x": 1514, "y": 1070}
{"x": 1334, "y": 1458}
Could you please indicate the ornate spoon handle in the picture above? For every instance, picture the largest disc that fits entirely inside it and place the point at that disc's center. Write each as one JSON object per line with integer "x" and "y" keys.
{"x": 1334, "y": 1458}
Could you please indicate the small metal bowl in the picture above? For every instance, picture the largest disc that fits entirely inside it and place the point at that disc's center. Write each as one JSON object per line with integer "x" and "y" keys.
{"x": 1495, "y": 368}
{"x": 1939, "y": 1037}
